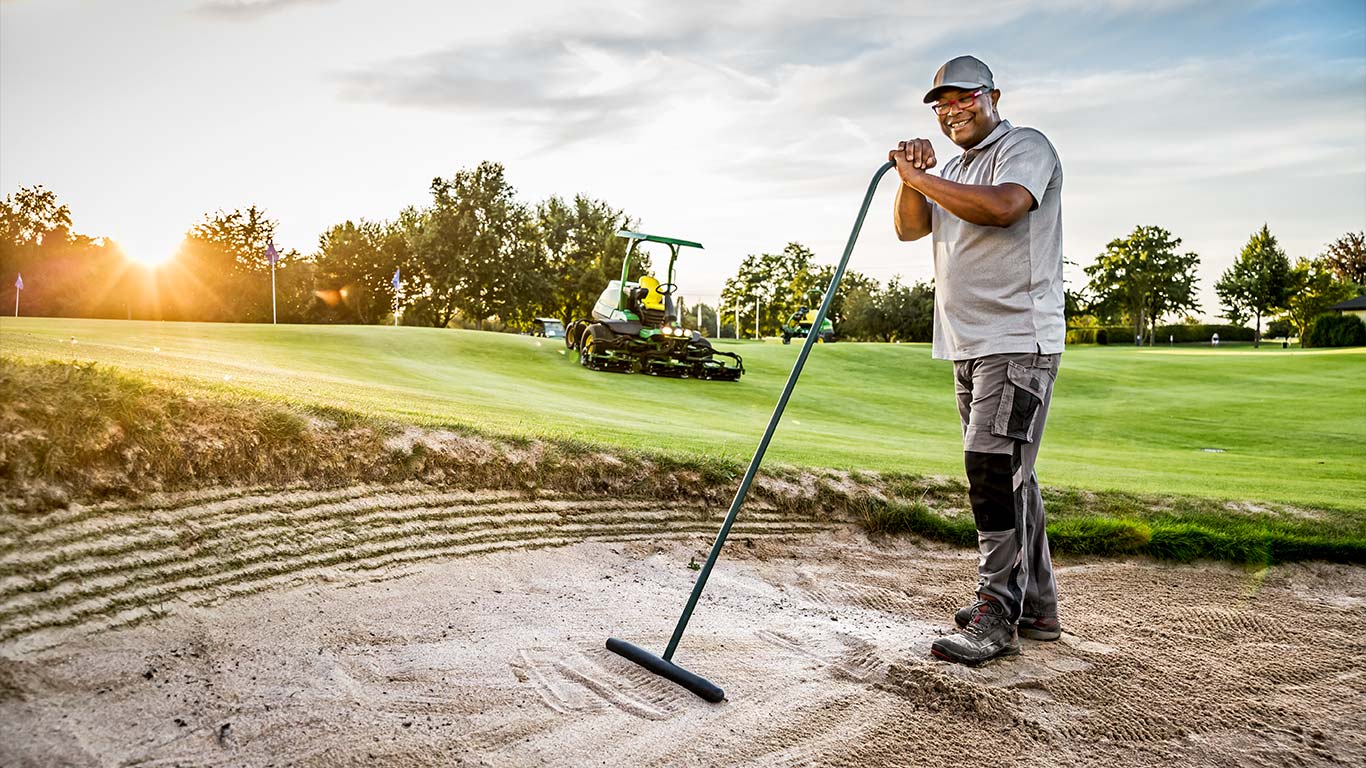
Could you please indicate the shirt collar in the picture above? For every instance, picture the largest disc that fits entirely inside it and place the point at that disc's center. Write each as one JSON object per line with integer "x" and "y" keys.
{"x": 1001, "y": 129}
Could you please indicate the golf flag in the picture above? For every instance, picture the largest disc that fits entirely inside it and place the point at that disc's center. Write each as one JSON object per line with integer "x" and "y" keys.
{"x": 20, "y": 282}
{"x": 271, "y": 254}
{"x": 395, "y": 280}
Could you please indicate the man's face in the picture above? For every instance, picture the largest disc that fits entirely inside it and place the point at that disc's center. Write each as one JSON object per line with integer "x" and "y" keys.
{"x": 967, "y": 119}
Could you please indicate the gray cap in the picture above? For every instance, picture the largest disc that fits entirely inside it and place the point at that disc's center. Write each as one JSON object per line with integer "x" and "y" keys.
{"x": 966, "y": 73}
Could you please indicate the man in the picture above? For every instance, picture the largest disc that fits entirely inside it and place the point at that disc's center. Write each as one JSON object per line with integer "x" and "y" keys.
{"x": 996, "y": 219}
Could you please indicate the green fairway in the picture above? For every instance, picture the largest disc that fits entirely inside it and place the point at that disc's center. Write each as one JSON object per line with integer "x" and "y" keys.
{"x": 1269, "y": 425}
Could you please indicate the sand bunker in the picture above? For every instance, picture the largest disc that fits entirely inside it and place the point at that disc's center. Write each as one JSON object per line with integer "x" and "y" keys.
{"x": 441, "y": 640}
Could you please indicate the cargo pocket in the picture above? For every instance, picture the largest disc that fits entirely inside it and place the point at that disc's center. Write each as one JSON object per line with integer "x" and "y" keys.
{"x": 1020, "y": 401}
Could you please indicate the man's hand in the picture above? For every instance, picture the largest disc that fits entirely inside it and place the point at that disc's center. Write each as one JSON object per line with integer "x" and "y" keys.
{"x": 912, "y": 158}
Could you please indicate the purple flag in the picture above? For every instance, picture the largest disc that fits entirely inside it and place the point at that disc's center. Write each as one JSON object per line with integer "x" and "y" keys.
{"x": 271, "y": 255}
{"x": 19, "y": 283}
{"x": 395, "y": 280}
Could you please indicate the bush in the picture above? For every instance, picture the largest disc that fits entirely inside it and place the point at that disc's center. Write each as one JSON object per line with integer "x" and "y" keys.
{"x": 1334, "y": 330}
{"x": 1279, "y": 329}
{"x": 1081, "y": 336}
{"x": 1088, "y": 335}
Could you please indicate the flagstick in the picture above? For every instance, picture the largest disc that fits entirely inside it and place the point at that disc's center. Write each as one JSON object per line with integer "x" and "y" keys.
{"x": 272, "y": 291}
{"x": 16, "y": 302}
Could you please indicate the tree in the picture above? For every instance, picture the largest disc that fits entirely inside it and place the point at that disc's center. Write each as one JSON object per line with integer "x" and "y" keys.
{"x": 1280, "y": 329}
{"x": 778, "y": 280}
{"x": 1314, "y": 288}
{"x": 26, "y": 217}
{"x": 355, "y": 265}
{"x": 819, "y": 279}
{"x": 477, "y": 249}
{"x": 863, "y": 317}
{"x": 1144, "y": 277}
{"x": 909, "y": 310}
{"x": 1258, "y": 282}
{"x": 582, "y": 254}
{"x": 222, "y": 272}
{"x": 66, "y": 274}
{"x": 708, "y": 324}
{"x": 1346, "y": 258}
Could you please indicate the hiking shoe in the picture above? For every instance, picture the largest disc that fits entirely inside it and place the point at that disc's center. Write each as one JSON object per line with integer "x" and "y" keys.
{"x": 1040, "y": 628}
{"x": 963, "y": 615}
{"x": 986, "y": 636}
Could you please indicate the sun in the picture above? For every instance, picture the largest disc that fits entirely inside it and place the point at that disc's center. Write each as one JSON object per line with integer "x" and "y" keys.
{"x": 148, "y": 252}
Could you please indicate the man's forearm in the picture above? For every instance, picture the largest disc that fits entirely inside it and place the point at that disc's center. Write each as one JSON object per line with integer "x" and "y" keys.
{"x": 985, "y": 205}
{"x": 912, "y": 215}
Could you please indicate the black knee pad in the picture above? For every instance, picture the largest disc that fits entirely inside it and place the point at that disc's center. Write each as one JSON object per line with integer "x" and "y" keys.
{"x": 991, "y": 489}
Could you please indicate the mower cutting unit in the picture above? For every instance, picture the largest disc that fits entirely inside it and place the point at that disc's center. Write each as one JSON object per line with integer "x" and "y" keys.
{"x": 636, "y": 327}
{"x": 803, "y": 320}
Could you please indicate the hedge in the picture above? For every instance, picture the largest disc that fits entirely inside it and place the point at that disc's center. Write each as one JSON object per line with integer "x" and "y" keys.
{"x": 1334, "y": 330}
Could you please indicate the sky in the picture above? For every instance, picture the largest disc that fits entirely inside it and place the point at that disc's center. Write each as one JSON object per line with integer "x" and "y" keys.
{"x": 744, "y": 126}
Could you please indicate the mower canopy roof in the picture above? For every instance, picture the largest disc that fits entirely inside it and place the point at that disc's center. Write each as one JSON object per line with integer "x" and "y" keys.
{"x": 628, "y": 234}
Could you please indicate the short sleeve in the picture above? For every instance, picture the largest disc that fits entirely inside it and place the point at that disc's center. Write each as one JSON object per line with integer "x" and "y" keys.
{"x": 1026, "y": 159}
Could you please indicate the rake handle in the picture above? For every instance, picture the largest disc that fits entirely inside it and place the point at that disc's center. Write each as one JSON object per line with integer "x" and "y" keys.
{"x": 702, "y": 575}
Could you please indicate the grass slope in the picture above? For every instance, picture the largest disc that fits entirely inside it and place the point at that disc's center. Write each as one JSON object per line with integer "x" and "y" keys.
{"x": 1291, "y": 424}
{"x": 86, "y": 433}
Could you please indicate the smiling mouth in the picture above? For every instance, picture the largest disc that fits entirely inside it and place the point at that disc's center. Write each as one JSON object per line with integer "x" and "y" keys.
{"x": 959, "y": 124}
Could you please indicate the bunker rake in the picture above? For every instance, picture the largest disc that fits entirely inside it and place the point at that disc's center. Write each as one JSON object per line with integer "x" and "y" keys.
{"x": 664, "y": 665}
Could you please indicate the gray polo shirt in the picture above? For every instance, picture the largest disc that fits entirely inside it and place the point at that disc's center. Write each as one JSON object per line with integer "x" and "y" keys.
{"x": 1000, "y": 289}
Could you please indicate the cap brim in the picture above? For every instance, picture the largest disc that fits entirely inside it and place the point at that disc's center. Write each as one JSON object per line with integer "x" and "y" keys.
{"x": 935, "y": 91}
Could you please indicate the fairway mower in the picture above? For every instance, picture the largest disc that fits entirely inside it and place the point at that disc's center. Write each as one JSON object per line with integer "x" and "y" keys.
{"x": 664, "y": 665}
{"x": 636, "y": 327}
{"x": 803, "y": 320}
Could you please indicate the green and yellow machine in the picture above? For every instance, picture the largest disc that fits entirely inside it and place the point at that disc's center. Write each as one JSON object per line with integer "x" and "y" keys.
{"x": 636, "y": 327}
{"x": 801, "y": 322}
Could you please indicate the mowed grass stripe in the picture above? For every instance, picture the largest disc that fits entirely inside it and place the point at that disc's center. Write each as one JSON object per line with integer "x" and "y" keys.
{"x": 423, "y": 547}
{"x": 82, "y": 579}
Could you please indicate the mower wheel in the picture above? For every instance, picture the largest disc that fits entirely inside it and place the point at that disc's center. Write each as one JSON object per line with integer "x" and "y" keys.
{"x": 587, "y": 348}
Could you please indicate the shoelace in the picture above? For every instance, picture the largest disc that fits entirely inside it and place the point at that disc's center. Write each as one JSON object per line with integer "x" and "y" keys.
{"x": 971, "y": 627}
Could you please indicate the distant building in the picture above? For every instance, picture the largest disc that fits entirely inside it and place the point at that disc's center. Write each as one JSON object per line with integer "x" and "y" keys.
{"x": 1355, "y": 306}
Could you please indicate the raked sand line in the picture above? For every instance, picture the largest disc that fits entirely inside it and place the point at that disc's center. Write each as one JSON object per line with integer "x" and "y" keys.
{"x": 242, "y": 544}
{"x": 82, "y": 581}
{"x": 160, "y": 585}
{"x": 93, "y": 522}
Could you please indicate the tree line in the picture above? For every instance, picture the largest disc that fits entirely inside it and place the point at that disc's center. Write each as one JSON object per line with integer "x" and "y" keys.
{"x": 1142, "y": 278}
{"x": 474, "y": 256}
{"x": 1138, "y": 281}
{"x": 477, "y": 256}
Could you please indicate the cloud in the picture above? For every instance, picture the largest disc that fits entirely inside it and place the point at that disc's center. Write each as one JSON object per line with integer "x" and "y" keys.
{"x": 576, "y": 80}
{"x": 247, "y": 10}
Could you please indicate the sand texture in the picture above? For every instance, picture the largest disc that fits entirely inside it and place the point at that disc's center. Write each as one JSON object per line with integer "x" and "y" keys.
{"x": 406, "y": 627}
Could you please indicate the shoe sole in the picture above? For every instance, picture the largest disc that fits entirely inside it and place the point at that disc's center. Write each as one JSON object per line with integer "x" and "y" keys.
{"x": 935, "y": 652}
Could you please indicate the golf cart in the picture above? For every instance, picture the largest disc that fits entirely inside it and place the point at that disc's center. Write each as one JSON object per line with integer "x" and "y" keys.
{"x": 547, "y": 327}
{"x": 799, "y": 325}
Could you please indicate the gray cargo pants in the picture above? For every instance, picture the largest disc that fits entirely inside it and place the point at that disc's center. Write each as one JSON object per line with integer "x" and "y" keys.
{"x": 1003, "y": 401}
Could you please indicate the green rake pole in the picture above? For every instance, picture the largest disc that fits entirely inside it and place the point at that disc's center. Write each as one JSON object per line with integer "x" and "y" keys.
{"x": 664, "y": 666}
